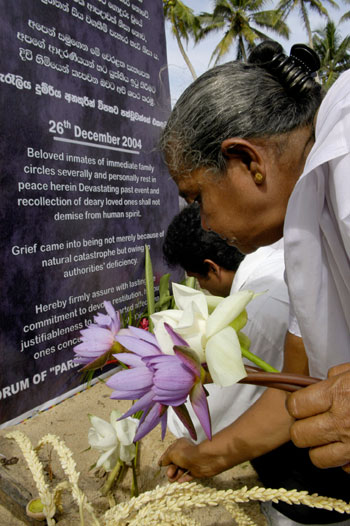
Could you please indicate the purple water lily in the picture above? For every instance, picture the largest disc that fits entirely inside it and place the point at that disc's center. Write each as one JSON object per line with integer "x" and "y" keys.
{"x": 159, "y": 380}
{"x": 98, "y": 340}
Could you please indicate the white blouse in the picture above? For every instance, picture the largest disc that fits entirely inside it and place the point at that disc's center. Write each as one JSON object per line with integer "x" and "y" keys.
{"x": 317, "y": 237}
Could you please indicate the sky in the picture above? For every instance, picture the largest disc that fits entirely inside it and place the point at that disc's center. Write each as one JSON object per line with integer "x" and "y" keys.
{"x": 199, "y": 54}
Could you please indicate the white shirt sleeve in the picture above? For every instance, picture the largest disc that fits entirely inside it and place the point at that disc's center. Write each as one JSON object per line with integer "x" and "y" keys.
{"x": 293, "y": 326}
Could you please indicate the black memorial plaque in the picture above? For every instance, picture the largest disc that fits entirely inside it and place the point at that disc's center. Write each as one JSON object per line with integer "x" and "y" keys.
{"x": 84, "y": 96}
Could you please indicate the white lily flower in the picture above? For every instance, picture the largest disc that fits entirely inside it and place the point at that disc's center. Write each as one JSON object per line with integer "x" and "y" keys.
{"x": 114, "y": 440}
{"x": 205, "y": 322}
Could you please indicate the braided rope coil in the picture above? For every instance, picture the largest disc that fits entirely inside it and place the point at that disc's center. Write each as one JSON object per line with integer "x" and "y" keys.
{"x": 166, "y": 505}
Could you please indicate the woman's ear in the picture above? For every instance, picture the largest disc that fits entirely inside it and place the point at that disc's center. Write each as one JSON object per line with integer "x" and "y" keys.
{"x": 247, "y": 152}
{"x": 213, "y": 268}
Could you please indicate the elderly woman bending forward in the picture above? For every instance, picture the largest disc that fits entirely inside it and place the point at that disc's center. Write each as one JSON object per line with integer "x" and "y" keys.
{"x": 264, "y": 156}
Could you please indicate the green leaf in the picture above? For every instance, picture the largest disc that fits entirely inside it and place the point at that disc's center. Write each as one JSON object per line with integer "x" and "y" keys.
{"x": 243, "y": 340}
{"x": 239, "y": 322}
{"x": 164, "y": 285}
{"x": 190, "y": 282}
{"x": 163, "y": 304}
{"x": 164, "y": 294}
{"x": 149, "y": 287}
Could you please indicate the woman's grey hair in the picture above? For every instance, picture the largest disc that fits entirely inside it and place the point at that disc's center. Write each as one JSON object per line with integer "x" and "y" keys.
{"x": 234, "y": 100}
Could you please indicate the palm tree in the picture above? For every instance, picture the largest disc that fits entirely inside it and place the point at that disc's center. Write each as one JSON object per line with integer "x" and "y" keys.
{"x": 241, "y": 21}
{"x": 183, "y": 25}
{"x": 334, "y": 53}
{"x": 286, "y": 6}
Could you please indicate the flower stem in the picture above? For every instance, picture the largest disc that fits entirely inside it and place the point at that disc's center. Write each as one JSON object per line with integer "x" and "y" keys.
{"x": 258, "y": 361}
{"x": 285, "y": 381}
{"x": 114, "y": 474}
{"x": 134, "y": 486}
{"x": 149, "y": 287}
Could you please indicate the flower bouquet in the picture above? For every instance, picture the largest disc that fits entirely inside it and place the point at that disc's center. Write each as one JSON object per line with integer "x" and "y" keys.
{"x": 199, "y": 340}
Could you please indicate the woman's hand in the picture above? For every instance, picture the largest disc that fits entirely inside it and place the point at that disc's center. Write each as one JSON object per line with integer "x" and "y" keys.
{"x": 263, "y": 427}
{"x": 323, "y": 419}
{"x": 187, "y": 461}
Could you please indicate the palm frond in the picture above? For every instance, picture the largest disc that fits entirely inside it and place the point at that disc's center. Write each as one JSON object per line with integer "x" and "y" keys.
{"x": 272, "y": 20}
{"x": 223, "y": 46}
{"x": 345, "y": 17}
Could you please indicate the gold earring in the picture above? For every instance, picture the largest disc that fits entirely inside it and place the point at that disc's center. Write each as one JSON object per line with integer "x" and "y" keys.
{"x": 258, "y": 178}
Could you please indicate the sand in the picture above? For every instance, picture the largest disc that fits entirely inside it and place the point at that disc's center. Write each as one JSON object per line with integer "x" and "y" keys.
{"x": 69, "y": 421}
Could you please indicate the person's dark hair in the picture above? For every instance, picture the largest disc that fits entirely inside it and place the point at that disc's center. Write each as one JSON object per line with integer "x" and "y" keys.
{"x": 270, "y": 95}
{"x": 188, "y": 245}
